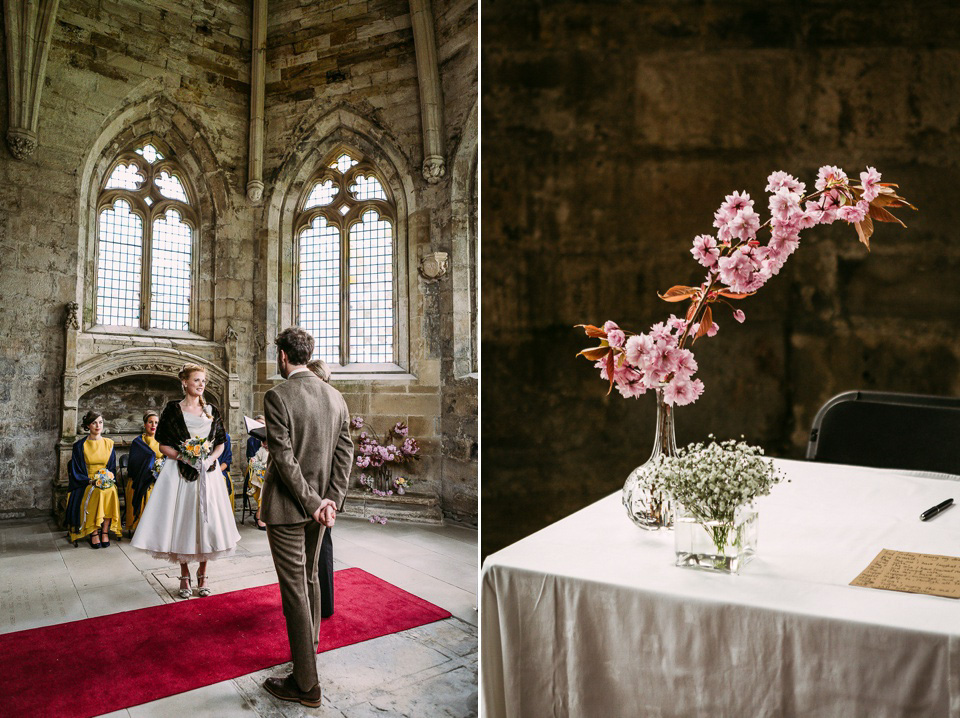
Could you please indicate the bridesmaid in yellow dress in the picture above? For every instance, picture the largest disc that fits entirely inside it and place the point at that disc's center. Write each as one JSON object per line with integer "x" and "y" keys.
{"x": 144, "y": 452}
{"x": 257, "y": 469}
{"x": 93, "y": 510}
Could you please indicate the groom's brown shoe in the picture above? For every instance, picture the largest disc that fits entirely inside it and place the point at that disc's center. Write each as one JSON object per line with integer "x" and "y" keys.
{"x": 286, "y": 689}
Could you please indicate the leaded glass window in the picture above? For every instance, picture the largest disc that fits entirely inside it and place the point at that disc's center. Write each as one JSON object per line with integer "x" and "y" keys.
{"x": 146, "y": 231}
{"x": 346, "y": 252}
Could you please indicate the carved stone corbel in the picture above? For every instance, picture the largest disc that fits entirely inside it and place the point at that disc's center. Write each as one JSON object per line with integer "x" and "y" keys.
{"x": 433, "y": 266}
{"x": 29, "y": 28}
{"x": 431, "y": 93}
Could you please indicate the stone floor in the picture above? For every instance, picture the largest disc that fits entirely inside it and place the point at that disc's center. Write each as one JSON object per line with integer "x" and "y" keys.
{"x": 426, "y": 671}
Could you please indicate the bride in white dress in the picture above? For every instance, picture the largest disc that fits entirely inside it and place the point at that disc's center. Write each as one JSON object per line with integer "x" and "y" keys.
{"x": 189, "y": 517}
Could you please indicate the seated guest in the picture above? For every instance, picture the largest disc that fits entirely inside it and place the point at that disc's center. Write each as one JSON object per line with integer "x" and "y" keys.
{"x": 253, "y": 443}
{"x": 226, "y": 458}
{"x": 93, "y": 505}
{"x": 257, "y": 471}
{"x": 144, "y": 453}
{"x": 325, "y": 564}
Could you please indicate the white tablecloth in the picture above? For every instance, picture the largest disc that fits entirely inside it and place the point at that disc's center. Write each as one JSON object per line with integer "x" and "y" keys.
{"x": 589, "y": 617}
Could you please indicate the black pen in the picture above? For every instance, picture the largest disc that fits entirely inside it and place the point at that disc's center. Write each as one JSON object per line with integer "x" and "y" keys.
{"x": 931, "y": 512}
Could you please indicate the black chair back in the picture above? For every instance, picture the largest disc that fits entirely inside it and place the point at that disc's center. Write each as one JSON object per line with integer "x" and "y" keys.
{"x": 888, "y": 430}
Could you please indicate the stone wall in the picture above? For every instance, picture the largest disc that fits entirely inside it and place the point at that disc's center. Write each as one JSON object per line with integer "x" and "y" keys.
{"x": 611, "y": 134}
{"x": 120, "y": 69}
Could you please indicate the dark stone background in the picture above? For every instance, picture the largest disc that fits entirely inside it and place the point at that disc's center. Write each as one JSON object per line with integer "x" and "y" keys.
{"x": 611, "y": 132}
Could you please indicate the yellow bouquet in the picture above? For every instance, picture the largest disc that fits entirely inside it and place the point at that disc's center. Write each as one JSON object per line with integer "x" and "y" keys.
{"x": 103, "y": 479}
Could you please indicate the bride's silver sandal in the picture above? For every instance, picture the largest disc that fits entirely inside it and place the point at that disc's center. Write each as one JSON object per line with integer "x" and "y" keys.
{"x": 185, "y": 592}
{"x": 202, "y": 590}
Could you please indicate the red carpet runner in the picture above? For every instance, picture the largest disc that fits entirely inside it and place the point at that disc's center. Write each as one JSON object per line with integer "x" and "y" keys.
{"x": 72, "y": 669}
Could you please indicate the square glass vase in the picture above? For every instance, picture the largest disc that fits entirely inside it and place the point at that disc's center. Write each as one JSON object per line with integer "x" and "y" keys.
{"x": 718, "y": 546}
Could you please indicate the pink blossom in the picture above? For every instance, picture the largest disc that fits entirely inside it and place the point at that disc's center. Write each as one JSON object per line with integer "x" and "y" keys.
{"x": 830, "y": 175}
{"x": 637, "y": 346}
{"x": 871, "y": 183}
{"x": 851, "y": 213}
{"x": 745, "y": 225}
{"x": 782, "y": 246}
{"x": 616, "y": 337}
{"x": 632, "y": 389}
{"x": 363, "y": 462}
{"x": 821, "y": 213}
{"x": 784, "y": 203}
{"x": 682, "y": 391}
{"x": 705, "y": 250}
{"x": 779, "y": 180}
{"x": 676, "y": 324}
{"x": 736, "y": 271}
{"x": 712, "y": 331}
{"x": 737, "y": 200}
{"x": 400, "y": 429}
{"x": 686, "y": 363}
{"x": 660, "y": 332}
{"x": 739, "y": 315}
{"x": 356, "y": 422}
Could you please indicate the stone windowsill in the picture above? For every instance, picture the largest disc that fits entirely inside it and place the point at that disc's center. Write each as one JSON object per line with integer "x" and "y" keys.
{"x": 138, "y": 333}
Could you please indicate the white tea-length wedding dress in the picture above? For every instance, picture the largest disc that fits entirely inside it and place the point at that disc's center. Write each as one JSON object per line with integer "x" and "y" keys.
{"x": 171, "y": 526}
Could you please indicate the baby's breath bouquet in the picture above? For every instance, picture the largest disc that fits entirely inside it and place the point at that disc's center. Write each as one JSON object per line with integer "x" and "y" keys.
{"x": 712, "y": 483}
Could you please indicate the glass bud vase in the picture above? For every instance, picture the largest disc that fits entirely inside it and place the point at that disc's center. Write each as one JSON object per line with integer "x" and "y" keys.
{"x": 647, "y": 504}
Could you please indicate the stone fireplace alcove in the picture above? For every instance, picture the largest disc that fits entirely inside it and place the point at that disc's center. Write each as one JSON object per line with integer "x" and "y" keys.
{"x": 123, "y": 376}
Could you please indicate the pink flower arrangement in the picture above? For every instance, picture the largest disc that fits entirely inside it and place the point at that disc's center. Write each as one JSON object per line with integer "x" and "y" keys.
{"x": 378, "y": 458}
{"x": 738, "y": 264}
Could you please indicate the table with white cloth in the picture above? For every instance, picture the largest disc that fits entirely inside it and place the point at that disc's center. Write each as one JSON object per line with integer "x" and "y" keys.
{"x": 590, "y": 617}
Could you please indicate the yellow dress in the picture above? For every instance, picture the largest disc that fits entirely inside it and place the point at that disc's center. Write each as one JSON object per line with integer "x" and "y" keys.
{"x": 98, "y": 504}
{"x": 129, "y": 521}
{"x": 256, "y": 482}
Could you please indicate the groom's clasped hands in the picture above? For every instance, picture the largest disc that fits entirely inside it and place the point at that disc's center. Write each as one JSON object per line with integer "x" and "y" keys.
{"x": 326, "y": 514}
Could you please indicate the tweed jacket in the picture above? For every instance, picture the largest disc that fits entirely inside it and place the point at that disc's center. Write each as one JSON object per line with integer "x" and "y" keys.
{"x": 311, "y": 453}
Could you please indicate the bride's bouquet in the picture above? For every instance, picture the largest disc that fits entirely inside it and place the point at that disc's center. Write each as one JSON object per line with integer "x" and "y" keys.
{"x": 195, "y": 451}
{"x": 158, "y": 467}
{"x": 103, "y": 479}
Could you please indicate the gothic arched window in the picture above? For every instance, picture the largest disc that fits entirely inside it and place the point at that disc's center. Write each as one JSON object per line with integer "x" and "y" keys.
{"x": 345, "y": 230}
{"x": 146, "y": 231}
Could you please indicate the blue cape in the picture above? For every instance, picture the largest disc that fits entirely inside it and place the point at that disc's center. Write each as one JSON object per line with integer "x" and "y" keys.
{"x": 253, "y": 446}
{"x": 140, "y": 470}
{"x": 227, "y": 458}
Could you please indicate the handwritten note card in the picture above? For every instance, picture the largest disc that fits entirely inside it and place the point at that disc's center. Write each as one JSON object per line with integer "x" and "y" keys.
{"x": 913, "y": 573}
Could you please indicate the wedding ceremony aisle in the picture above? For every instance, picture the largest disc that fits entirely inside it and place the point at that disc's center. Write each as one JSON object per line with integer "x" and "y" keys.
{"x": 428, "y": 670}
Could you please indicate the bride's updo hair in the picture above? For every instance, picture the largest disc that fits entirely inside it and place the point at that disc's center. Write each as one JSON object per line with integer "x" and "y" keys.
{"x": 188, "y": 370}
{"x": 88, "y": 418}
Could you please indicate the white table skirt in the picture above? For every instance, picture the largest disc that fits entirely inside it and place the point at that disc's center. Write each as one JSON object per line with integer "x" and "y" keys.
{"x": 589, "y": 617}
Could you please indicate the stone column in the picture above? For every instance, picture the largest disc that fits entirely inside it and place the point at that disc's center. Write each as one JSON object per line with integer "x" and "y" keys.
{"x": 29, "y": 28}
{"x": 69, "y": 406}
{"x": 257, "y": 80}
{"x": 431, "y": 93}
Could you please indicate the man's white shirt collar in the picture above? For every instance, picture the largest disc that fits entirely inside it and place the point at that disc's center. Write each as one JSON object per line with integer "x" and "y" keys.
{"x": 297, "y": 371}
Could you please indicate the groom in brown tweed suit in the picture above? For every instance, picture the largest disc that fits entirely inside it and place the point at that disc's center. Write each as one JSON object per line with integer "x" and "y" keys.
{"x": 311, "y": 454}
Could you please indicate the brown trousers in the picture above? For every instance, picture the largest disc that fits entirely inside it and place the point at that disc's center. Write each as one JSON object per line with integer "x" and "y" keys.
{"x": 296, "y": 549}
